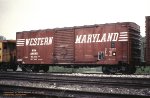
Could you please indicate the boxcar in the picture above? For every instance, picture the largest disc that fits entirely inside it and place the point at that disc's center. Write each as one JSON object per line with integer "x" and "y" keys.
{"x": 114, "y": 46}
{"x": 148, "y": 40}
{"x": 8, "y": 55}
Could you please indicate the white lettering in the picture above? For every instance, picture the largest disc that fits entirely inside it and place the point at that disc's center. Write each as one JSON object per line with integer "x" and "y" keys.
{"x": 42, "y": 41}
{"x": 103, "y": 38}
{"x": 98, "y": 38}
{"x": 115, "y": 38}
{"x": 78, "y": 39}
{"x": 89, "y": 40}
{"x": 32, "y": 42}
{"x": 106, "y": 52}
{"x": 27, "y": 41}
{"x": 83, "y": 39}
{"x": 39, "y": 41}
{"x": 46, "y": 41}
{"x": 50, "y": 41}
{"x": 94, "y": 37}
{"x": 110, "y": 35}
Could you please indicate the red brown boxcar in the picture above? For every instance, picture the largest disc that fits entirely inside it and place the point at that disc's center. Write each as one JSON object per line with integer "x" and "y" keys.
{"x": 116, "y": 45}
{"x": 35, "y": 48}
{"x": 148, "y": 40}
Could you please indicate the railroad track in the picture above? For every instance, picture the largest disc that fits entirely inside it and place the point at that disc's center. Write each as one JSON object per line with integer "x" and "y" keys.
{"x": 123, "y": 80}
{"x": 94, "y": 83}
{"x": 58, "y": 93}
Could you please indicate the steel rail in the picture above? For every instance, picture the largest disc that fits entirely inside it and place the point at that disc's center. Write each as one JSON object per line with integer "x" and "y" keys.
{"x": 32, "y": 91}
{"x": 85, "y": 79}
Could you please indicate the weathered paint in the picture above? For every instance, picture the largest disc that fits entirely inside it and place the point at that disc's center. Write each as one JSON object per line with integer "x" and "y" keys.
{"x": 35, "y": 47}
{"x": 7, "y": 51}
{"x": 148, "y": 40}
{"x": 1, "y": 53}
{"x": 107, "y": 44}
{"x": 96, "y": 44}
{"x": 64, "y": 46}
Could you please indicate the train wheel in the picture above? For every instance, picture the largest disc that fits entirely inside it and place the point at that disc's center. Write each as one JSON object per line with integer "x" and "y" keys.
{"x": 109, "y": 69}
{"x": 113, "y": 69}
{"x": 124, "y": 69}
{"x": 15, "y": 68}
{"x": 105, "y": 70}
{"x": 134, "y": 69}
{"x": 131, "y": 70}
{"x": 4, "y": 69}
{"x": 26, "y": 68}
{"x": 45, "y": 68}
{"x": 35, "y": 69}
{"x": 128, "y": 70}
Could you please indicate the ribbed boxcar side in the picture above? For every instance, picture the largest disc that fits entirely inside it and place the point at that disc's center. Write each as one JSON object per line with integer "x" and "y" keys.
{"x": 64, "y": 46}
{"x": 114, "y": 45}
{"x": 35, "y": 48}
{"x": 1, "y": 53}
{"x": 84, "y": 48}
{"x": 107, "y": 44}
{"x": 148, "y": 40}
{"x": 134, "y": 44}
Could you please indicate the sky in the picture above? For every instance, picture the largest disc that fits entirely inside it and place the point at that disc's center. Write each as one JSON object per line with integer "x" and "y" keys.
{"x": 25, "y": 15}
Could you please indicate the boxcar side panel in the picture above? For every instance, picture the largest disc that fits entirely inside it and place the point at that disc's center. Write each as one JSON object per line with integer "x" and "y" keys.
{"x": 102, "y": 44}
{"x": 148, "y": 40}
{"x": 134, "y": 44}
{"x": 105, "y": 44}
{"x": 6, "y": 52}
{"x": 1, "y": 53}
{"x": 84, "y": 47}
{"x": 64, "y": 46}
{"x": 35, "y": 47}
{"x": 123, "y": 43}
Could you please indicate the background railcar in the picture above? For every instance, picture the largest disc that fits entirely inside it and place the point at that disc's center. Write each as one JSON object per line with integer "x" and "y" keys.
{"x": 8, "y": 55}
{"x": 147, "y": 57}
{"x": 114, "y": 46}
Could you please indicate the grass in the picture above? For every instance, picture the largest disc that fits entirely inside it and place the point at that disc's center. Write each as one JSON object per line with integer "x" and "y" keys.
{"x": 73, "y": 70}
{"x": 140, "y": 70}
